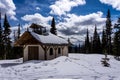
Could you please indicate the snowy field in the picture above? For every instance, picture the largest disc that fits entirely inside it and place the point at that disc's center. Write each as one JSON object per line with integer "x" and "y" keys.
{"x": 76, "y": 66}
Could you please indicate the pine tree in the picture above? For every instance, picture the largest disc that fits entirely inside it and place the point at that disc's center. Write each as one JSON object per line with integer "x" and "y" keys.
{"x": 116, "y": 42}
{"x": 0, "y": 30}
{"x": 79, "y": 48}
{"x": 1, "y": 40}
{"x": 6, "y": 39}
{"x": 104, "y": 42}
{"x": 14, "y": 35}
{"x": 53, "y": 29}
{"x": 91, "y": 44}
{"x": 18, "y": 32}
{"x": 76, "y": 48}
{"x": 99, "y": 45}
{"x": 87, "y": 43}
{"x": 96, "y": 44}
{"x": 6, "y": 26}
{"x": 108, "y": 31}
{"x": 69, "y": 46}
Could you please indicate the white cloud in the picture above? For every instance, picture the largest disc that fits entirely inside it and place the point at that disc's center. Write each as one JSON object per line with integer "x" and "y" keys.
{"x": 76, "y": 26}
{"x": 8, "y": 7}
{"x": 62, "y": 6}
{"x": 37, "y": 18}
{"x": 37, "y": 8}
{"x": 115, "y": 3}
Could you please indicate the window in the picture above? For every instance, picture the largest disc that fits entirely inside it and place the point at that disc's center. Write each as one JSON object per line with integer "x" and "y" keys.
{"x": 59, "y": 51}
{"x": 51, "y": 51}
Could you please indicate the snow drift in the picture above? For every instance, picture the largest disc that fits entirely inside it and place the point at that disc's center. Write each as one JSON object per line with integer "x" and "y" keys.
{"x": 76, "y": 66}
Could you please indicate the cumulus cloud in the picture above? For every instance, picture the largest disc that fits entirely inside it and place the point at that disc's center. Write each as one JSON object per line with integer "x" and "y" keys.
{"x": 37, "y": 18}
{"x": 114, "y": 3}
{"x": 8, "y": 7}
{"x": 77, "y": 25}
{"x": 62, "y": 6}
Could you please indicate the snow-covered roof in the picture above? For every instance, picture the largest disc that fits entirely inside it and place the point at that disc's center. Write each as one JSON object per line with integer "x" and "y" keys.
{"x": 49, "y": 39}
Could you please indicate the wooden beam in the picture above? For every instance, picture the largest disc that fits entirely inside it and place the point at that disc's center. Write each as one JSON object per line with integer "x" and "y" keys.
{"x": 55, "y": 48}
{"x": 62, "y": 49}
{"x": 45, "y": 48}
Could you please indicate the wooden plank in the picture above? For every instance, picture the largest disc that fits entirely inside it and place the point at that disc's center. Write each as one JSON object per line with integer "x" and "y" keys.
{"x": 33, "y": 52}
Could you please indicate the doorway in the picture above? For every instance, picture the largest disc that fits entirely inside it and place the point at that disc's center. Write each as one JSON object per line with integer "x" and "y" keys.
{"x": 33, "y": 52}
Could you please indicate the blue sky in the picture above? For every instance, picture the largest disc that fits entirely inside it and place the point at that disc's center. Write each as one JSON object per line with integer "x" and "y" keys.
{"x": 72, "y": 17}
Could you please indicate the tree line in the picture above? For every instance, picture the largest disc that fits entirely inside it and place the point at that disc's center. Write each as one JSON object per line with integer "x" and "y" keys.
{"x": 6, "y": 49}
{"x": 108, "y": 44}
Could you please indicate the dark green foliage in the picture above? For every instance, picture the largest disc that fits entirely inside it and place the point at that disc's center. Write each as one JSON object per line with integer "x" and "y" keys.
{"x": 116, "y": 42}
{"x": 6, "y": 37}
{"x": 1, "y": 40}
{"x": 70, "y": 49}
{"x": 87, "y": 43}
{"x": 53, "y": 29}
{"x": 91, "y": 43}
{"x": 76, "y": 49}
{"x": 69, "y": 46}
{"x": 6, "y": 26}
{"x": 79, "y": 48}
{"x": 96, "y": 44}
{"x": 104, "y": 42}
{"x": 0, "y": 31}
{"x": 17, "y": 52}
{"x": 108, "y": 32}
{"x": 105, "y": 62}
{"x": 83, "y": 48}
{"x": 8, "y": 52}
{"x": 18, "y": 32}
{"x": 15, "y": 38}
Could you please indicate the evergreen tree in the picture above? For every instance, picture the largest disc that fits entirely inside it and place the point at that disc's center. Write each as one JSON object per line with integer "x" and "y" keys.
{"x": 91, "y": 44}
{"x": 69, "y": 46}
{"x": 79, "y": 48}
{"x": 0, "y": 30}
{"x": 53, "y": 29}
{"x": 14, "y": 35}
{"x": 104, "y": 42}
{"x": 83, "y": 48}
{"x": 108, "y": 32}
{"x": 1, "y": 40}
{"x": 116, "y": 42}
{"x": 76, "y": 49}
{"x": 18, "y": 32}
{"x": 96, "y": 45}
{"x": 87, "y": 43}
{"x": 6, "y": 39}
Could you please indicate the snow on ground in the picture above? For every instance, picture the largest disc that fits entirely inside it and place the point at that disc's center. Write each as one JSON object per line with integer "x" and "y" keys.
{"x": 76, "y": 66}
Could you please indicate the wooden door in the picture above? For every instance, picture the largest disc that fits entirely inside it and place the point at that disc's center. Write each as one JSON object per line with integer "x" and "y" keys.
{"x": 33, "y": 52}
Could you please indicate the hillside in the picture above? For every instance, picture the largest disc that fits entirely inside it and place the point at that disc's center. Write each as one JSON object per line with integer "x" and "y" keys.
{"x": 76, "y": 66}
